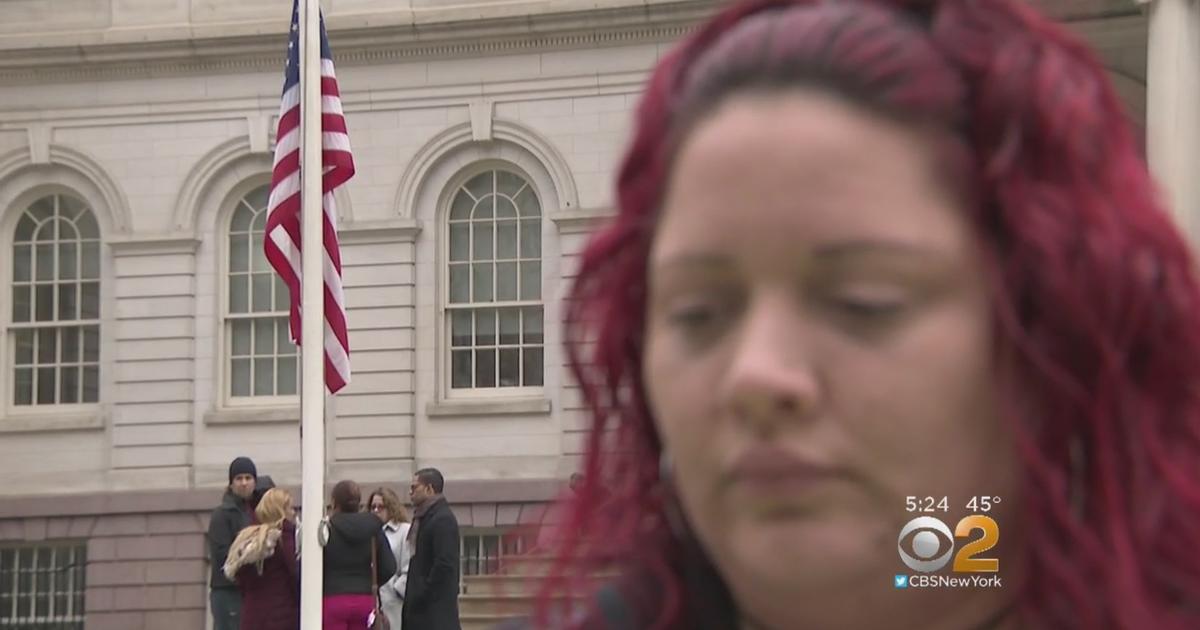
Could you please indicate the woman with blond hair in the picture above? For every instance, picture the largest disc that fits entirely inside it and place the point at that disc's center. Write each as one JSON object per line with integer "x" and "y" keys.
{"x": 385, "y": 504}
{"x": 262, "y": 561}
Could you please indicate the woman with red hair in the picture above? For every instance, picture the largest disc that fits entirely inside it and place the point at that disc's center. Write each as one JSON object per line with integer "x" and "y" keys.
{"x": 870, "y": 255}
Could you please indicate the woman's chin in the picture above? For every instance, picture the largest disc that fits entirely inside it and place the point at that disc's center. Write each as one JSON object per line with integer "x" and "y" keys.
{"x": 801, "y": 553}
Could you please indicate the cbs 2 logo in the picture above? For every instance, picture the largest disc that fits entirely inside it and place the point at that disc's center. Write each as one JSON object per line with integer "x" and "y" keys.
{"x": 926, "y": 544}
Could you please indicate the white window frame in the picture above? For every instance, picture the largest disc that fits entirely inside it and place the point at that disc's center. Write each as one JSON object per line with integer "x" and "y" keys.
{"x": 444, "y": 348}
{"x": 75, "y": 574}
{"x": 58, "y": 415}
{"x": 224, "y": 327}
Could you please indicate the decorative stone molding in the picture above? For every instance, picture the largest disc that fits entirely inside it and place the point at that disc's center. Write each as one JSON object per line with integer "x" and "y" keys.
{"x": 386, "y": 231}
{"x": 455, "y": 138}
{"x": 581, "y": 221}
{"x": 112, "y": 200}
{"x": 211, "y": 50}
{"x": 54, "y": 422}
{"x": 494, "y": 407}
{"x": 234, "y": 153}
{"x": 153, "y": 244}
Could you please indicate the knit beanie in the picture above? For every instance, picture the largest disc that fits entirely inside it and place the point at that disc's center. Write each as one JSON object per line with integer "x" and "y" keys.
{"x": 242, "y": 466}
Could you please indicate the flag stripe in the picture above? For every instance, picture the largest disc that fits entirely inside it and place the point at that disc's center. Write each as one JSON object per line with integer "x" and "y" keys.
{"x": 282, "y": 242}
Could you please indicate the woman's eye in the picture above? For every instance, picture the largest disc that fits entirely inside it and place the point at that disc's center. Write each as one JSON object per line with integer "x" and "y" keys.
{"x": 870, "y": 308}
{"x": 693, "y": 316}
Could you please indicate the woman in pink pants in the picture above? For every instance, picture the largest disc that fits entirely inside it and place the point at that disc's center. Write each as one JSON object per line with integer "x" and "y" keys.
{"x": 349, "y": 598}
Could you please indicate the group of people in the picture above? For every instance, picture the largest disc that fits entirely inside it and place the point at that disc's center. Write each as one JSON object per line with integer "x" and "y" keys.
{"x": 377, "y": 562}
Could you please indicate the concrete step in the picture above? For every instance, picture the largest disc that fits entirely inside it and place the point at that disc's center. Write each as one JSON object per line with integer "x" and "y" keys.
{"x": 500, "y": 584}
{"x": 482, "y": 622}
{"x": 495, "y": 604}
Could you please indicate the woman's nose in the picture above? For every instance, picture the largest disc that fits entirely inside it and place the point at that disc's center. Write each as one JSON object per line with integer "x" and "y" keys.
{"x": 771, "y": 379}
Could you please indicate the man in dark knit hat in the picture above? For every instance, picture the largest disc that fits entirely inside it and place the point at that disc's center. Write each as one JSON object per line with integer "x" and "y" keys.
{"x": 235, "y": 512}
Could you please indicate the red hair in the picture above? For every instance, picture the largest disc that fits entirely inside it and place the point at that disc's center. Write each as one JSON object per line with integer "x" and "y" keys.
{"x": 1096, "y": 304}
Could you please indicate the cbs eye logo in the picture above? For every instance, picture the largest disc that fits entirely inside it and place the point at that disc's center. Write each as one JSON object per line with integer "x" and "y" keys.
{"x": 928, "y": 556}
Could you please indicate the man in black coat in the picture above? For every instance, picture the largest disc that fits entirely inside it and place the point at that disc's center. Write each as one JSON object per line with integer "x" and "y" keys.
{"x": 431, "y": 598}
{"x": 234, "y": 513}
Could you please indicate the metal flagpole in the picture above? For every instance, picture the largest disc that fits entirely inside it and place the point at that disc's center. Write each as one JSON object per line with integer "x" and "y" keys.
{"x": 312, "y": 352}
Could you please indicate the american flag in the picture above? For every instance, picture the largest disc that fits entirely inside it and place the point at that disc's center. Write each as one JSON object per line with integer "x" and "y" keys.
{"x": 282, "y": 241}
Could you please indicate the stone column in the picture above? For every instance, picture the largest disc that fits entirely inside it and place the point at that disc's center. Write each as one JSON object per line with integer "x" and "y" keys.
{"x": 1173, "y": 107}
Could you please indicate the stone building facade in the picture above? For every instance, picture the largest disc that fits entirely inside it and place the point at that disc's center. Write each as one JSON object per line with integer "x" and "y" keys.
{"x": 140, "y": 332}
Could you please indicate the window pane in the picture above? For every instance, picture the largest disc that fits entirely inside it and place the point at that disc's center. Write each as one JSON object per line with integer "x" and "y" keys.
{"x": 24, "y": 347}
{"x": 259, "y": 224}
{"x": 23, "y": 384}
{"x": 66, "y": 231}
{"x": 506, "y": 240}
{"x": 509, "y": 183}
{"x": 505, "y": 209}
{"x": 70, "y": 384}
{"x": 45, "y": 262}
{"x": 460, "y": 328}
{"x": 47, "y": 346}
{"x": 45, "y": 231}
{"x": 460, "y": 241}
{"x": 531, "y": 239}
{"x": 282, "y": 294}
{"x": 481, "y": 281}
{"x": 91, "y": 383}
{"x": 22, "y": 263}
{"x": 239, "y": 294}
{"x": 239, "y": 377}
{"x": 258, "y": 197}
{"x": 485, "y": 368}
{"x": 89, "y": 261}
{"x": 25, "y": 228}
{"x": 485, "y": 327}
{"x": 240, "y": 342}
{"x": 510, "y": 367}
{"x": 460, "y": 369}
{"x": 506, "y": 281}
{"x": 264, "y": 336}
{"x": 68, "y": 261}
{"x": 45, "y": 386}
{"x": 21, "y": 304}
{"x": 70, "y": 345}
{"x": 460, "y": 210}
{"x": 480, "y": 185}
{"x": 44, "y": 309}
{"x": 260, "y": 292}
{"x": 510, "y": 326}
{"x": 528, "y": 204}
{"x": 481, "y": 240}
{"x": 531, "y": 325}
{"x": 89, "y": 306}
{"x": 258, "y": 259}
{"x": 460, "y": 287}
{"x": 43, "y": 208}
{"x": 68, "y": 309}
{"x": 239, "y": 252}
{"x": 91, "y": 344}
{"x": 285, "y": 378}
{"x": 264, "y": 377}
{"x": 87, "y": 226}
{"x": 531, "y": 368}
{"x": 241, "y": 219}
{"x": 283, "y": 337}
{"x": 531, "y": 280}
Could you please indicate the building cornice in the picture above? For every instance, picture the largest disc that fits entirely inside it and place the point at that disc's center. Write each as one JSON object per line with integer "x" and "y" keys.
{"x": 198, "y": 52}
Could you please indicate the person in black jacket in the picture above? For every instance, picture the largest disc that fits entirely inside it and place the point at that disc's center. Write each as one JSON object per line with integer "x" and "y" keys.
{"x": 349, "y": 598}
{"x": 234, "y": 513}
{"x": 431, "y": 597}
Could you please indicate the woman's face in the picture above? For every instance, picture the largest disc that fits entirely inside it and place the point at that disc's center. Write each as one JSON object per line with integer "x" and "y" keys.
{"x": 378, "y": 508}
{"x": 819, "y": 349}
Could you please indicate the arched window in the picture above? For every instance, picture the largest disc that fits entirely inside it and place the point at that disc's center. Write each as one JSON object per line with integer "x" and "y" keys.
{"x": 261, "y": 361}
{"x": 55, "y": 330}
{"x": 493, "y": 301}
